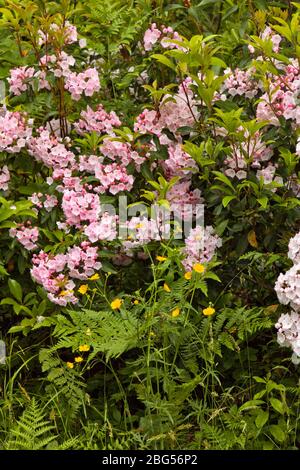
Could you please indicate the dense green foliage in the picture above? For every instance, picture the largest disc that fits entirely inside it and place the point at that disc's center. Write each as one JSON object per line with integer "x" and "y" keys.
{"x": 155, "y": 373}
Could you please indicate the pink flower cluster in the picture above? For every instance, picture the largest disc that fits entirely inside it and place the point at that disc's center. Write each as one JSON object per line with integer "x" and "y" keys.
{"x": 122, "y": 152}
{"x": 79, "y": 206}
{"x": 97, "y": 121}
{"x": 48, "y": 270}
{"x": 142, "y": 231}
{"x": 50, "y": 150}
{"x": 4, "y": 178}
{"x": 288, "y": 326}
{"x": 179, "y": 162}
{"x": 240, "y": 82}
{"x": 19, "y": 78}
{"x": 252, "y": 151}
{"x": 184, "y": 201}
{"x": 82, "y": 261}
{"x": 56, "y": 272}
{"x": 287, "y": 285}
{"x": 200, "y": 246}
{"x": 14, "y": 132}
{"x": 104, "y": 229}
{"x": 86, "y": 82}
{"x": 166, "y": 36}
{"x": 178, "y": 110}
{"x": 113, "y": 178}
{"x": 68, "y": 31}
{"x": 45, "y": 201}
{"x": 26, "y": 235}
{"x": 268, "y": 176}
{"x": 282, "y": 98}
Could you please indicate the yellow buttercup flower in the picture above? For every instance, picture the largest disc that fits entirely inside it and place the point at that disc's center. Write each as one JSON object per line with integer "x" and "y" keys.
{"x": 63, "y": 293}
{"x": 199, "y": 268}
{"x": 116, "y": 304}
{"x": 78, "y": 359}
{"x": 166, "y": 287}
{"x": 84, "y": 347}
{"x": 161, "y": 258}
{"x": 94, "y": 277}
{"x": 70, "y": 365}
{"x": 208, "y": 311}
{"x": 136, "y": 302}
{"x": 188, "y": 275}
{"x": 83, "y": 289}
{"x": 175, "y": 312}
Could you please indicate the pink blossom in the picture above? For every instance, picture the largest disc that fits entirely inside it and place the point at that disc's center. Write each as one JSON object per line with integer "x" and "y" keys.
{"x": 151, "y": 36}
{"x": 104, "y": 229}
{"x": 14, "y": 132}
{"x": 98, "y": 121}
{"x": 19, "y": 78}
{"x": 26, "y": 235}
{"x": 179, "y": 162}
{"x": 4, "y": 178}
{"x": 200, "y": 246}
{"x": 86, "y": 82}
{"x": 50, "y": 151}
{"x": 79, "y": 206}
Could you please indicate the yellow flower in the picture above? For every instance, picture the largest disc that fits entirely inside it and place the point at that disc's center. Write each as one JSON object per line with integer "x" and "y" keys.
{"x": 63, "y": 293}
{"x": 116, "y": 304}
{"x": 208, "y": 311}
{"x": 78, "y": 359}
{"x": 199, "y": 268}
{"x": 83, "y": 289}
{"x": 161, "y": 258}
{"x": 188, "y": 275}
{"x": 136, "y": 302}
{"x": 94, "y": 277}
{"x": 175, "y": 312}
{"x": 166, "y": 287}
{"x": 70, "y": 365}
{"x": 84, "y": 347}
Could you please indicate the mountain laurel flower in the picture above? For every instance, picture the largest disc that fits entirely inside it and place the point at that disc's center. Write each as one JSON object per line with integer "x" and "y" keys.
{"x": 84, "y": 348}
{"x": 116, "y": 304}
{"x": 175, "y": 313}
{"x": 208, "y": 311}
{"x": 4, "y": 178}
{"x": 83, "y": 289}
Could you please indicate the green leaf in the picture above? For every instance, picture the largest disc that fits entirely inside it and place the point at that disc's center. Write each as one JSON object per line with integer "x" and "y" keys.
{"x": 261, "y": 418}
{"x": 221, "y": 177}
{"x": 251, "y": 404}
{"x": 15, "y": 289}
{"x": 263, "y": 201}
{"x": 164, "y": 60}
{"x": 213, "y": 276}
{"x": 227, "y": 199}
{"x": 277, "y": 405}
{"x": 277, "y": 432}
